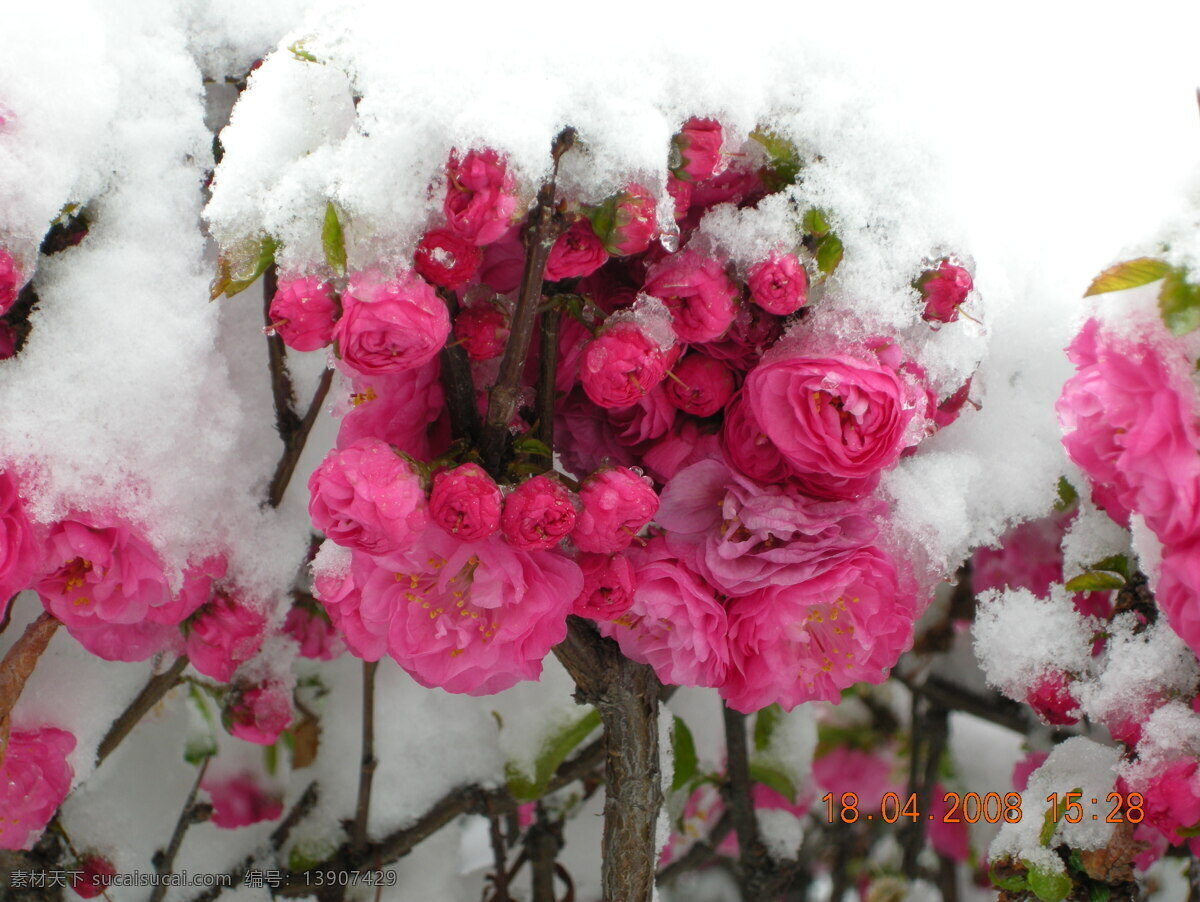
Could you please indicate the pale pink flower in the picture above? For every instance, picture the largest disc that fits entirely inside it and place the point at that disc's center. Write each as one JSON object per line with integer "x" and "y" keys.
{"x": 698, "y": 292}
{"x": 537, "y": 514}
{"x": 397, "y": 408}
{"x": 223, "y": 636}
{"x": 11, "y": 281}
{"x": 608, "y": 584}
{"x": 446, "y": 259}
{"x": 576, "y": 253}
{"x": 259, "y": 713}
{"x": 465, "y": 502}
{"x": 1177, "y": 591}
{"x": 239, "y": 801}
{"x": 1029, "y": 557}
{"x": 944, "y": 290}
{"x": 696, "y": 150}
{"x": 34, "y": 779}
{"x": 616, "y": 503}
{"x": 480, "y": 196}
{"x": 778, "y": 284}
{"x": 867, "y": 774}
{"x": 701, "y": 385}
{"x": 388, "y": 326}
{"x": 302, "y": 312}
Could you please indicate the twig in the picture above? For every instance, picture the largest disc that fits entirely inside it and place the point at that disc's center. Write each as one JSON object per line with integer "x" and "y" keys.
{"x": 458, "y": 383}
{"x": 8, "y": 610}
{"x": 369, "y": 762}
{"x": 282, "y": 392}
{"x": 293, "y": 444}
{"x": 547, "y": 377}
{"x": 754, "y": 864}
{"x": 499, "y": 875}
{"x": 151, "y": 694}
{"x": 543, "y": 843}
{"x": 502, "y": 403}
{"x": 166, "y": 863}
{"x": 18, "y": 665}
{"x": 928, "y": 742}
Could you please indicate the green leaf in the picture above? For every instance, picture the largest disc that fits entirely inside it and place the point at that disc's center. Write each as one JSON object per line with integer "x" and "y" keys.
{"x": 785, "y": 164}
{"x": 773, "y": 778}
{"x": 683, "y": 746}
{"x": 1179, "y": 303}
{"x": 1129, "y": 274}
{"x": 1049, "y": 822}
{"x": 240, "y": 268}
{"x": 198, "y": 748}
{"x": 1095, "y": 581}
{"x": 1013, "y": 883}
{"x": 530, "y": 445}
{"x": 829, "y": 253}
{"x": 1117, "y": 563}
{"x": 815, "y": 223}
{"x": 1067, "y": 496}
{"x": 554, "y": 752}
{"x": 200, "y": 743}
{"x": 1049, "y": 886}
{"x": 333, "y": 240}
{"x": 765, "y": 722}
{"x": 297, "y": 50}
{"x": 306, "y": 855}
{"x": 1188, "y": 832}
{"x": 1099, "y": 892}
{"x": 271, "y": 758}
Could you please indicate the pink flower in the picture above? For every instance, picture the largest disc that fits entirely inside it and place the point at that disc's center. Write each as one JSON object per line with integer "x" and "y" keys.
{"x": 19, "y": 551}
{"x": 504, "y": 262}
{"x": 609, "y": 581}
{"x": 302, "y": 312}
{"x": 584, "y": 436}
{"x": 396, "y": 408}
{"x": 701, "y": 386}
{"x": 11, "y": 281}
{"x": 943, "y": 290}
{"x": 482, "y": 329}
{"x": 465, "y": 502}
{"x": 446, "y": 259}
{"x": 537, "y": 514}
{"x": 223, "y": 636}
{"x": 867, "y": 774}
{"x": 688, "y": 442}
{"x": 259, "y": 713}
{"x": 338, "y": 587}
{"x": 1171, "y": 794}
{"x": 949, "y": 839}
{"x": 795, "y": 643}
{"x": 1025, "y": 767}
{"x": 576, "y": 253}
{"x": 1178, "y": 591}
{"x": 474, "y": 618}
{"x": 390, "y": 326}
{"x": 480, "y": 196}
{"x": 697, "y": 291}
{"x": 838, "y": 421}
{"x": 34, "y": 779}
{"x": 753, "y": 331}
{"x": 616, "y": 504}
{"x": 747, "y": 447}
{"x": 778, "y": 284}
{"x": 696, "y": 150}
{"x": 1029, "y": 557}
{"x": 368, "y": 497}
{"x": 8, "y": 341}
{"x": 1051, "y": 699}
{"x": 95, "y": 876}
{"x": 239, "y": 801}
{"x": 312, "y": 629}
{"x": 623, "y": 363}
{"x": 627, "y": 222}
{"x": 681, "y": 194}
{"x": 650, "y": 418}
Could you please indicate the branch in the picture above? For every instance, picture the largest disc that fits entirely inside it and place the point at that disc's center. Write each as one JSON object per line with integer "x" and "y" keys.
{"x": 543, "y": 843}
{"x": 993, "y": 708}
{"x": 754, "y": 863}
{"x": 458, "y": 383}
{"x": 158, "y": 686}
{"x": 547, "y": 376}
{"x": 366, "y": 771}
{"x": 189, "y": 815}
{"x": 17, "y": 667}
{"x": 293, "y": 444}
{"x": 929, "y": 733}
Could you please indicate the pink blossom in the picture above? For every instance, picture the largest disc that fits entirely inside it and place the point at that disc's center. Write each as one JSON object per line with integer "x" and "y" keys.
{"x": 696, "y": 150}
{"x": 1051, "y": 699}
{"x": 616, "y": 504}
{"x": 752, "y": 332}
{"x": 390, "y": 326}
{"x": 778, "y": 284}
{"x": 746, "y": 446}
{"x": 239, "y": 801}
{"x": 867, "y": 774}
{"x": 11, "y": 281}
{"x": 795, "y": 643}
{"x": 465, "y": 502}
{"x": 482, "y": 330}
{"x": 737, "y": 184}
{"x": 504, "y": 262}
{"x": 1178, "y": 591}
{"x": 259, "y": 713}
{"x": 576, "y": 253}
{"x": 681, "y": 194}
{"x": 585, "y": 438}
{"x": 34, "y": 779}
{"x": 675, "y": 623}
{"x": 609, "y": 581}
{"x": 1025, "y": 767}
{"x": 368, "y": 497}
{"x": 537, "y": 514}
{"x": 1171, "y": 795}
{"x": 95, "y": 876}
{"x": 396, "y": 408}
{"x": 622, "y": 364}
{"x": 944, "y": 290}
{"x": 573, "y": 339}
{"x": 1029, "y": 557}
{"x": 627, "y": 222}
{"x": 20, "y": 553}
{"x": 480, "y": 196}
{"x": 223, "y": 636}
{"x": 700, "y": 295}
{"x": 701, "y": 385}
{"x": 688, "y": 442}
{"x": 650, "y": 418}
{"x": 339, "y": 590}
{"x": 302, "y": 312}
{"x": 314, "y": 632}
{"x": 474, "y": 618}
{"x": 949, "y": 838}
{"x": 446, "y": 259}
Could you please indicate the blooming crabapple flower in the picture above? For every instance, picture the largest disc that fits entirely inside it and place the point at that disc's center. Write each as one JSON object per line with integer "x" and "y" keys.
{"x": 701, "y": 386}
{"x": 314, "y": 632}
{"x": 19, "y": 552}
{"x": 480, "y": 196}
{"x": 943, "y": 290}
{"x": 696, "y": 150}
{"x": 626, "y": 223}
{"x": 584, "y": 436}
{"x": 778, "y": 284}
{"x": 629, "y": 357}
{"x": 34, "y": 779}
{"x": 338, "y": 587}
{"x": 737, "y": 184}
{"x": 472, "y": 618}
{"x": 366, "y": 496}
{"x": 839, "y": 421}
{"x": 650, "y": 418}
{"x": 259, "y": 713}
{"x": 1177, "y": 591}
{"x": 746, "y": 446}
{"x": 465, "y": 502}
{"x": 700, "y": 295}
{"x": 752, "y": 332}
{"x": 674, "y": 624}
{"x": 537, "y": 514}
{"x": 576, "y": 253}
{"x": 949, "y": 838}
{"x": 1025, "y": 767}
{"x": 302, "y": 312}
{"x": 1051, "y": 699}
{"x": 11, "y": 281}
{"x": 396, "y": 408}
{"x": 447, "y": 259}
{"x": 390, "y": 326}
{"x": 795, "y": 643}
{"x": 95, "y": 876}
{"x": 223, "y": 636}
{"x": 608, "y": 584}
{"x": 1171, "y": 794}
{"x": 482, "y": 330}
{"x": 616, "y": 504}
{"x": 239, "y": 801}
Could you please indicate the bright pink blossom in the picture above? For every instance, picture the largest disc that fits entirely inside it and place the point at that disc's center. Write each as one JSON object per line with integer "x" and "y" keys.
{"x": 1178, "y": 591}
{"x": 627, "y": 222}
{"x": 681, "y": 194}
{"x": 1051, "y": 699}
{"x": 34, "y": 779}
{"x": 584, "y": 437}
{"x": 397, "y": 408}
{"x": 302, "y": 312}
{"x": 778, "y": 284}
{"x": 949, "y": 838}
{"x": 8, "y": 341}
{"x": 504, "y": 262}
{"x": 608, "y": 584}
{"x": 223, "y": 636}
{"x": 260, "y": 713}
{"x": 465, "y": 502}
{"x": 388, "y": 326}
{"x": 696, "y": 150}
{"x": 368, "y": 497}
{"x": 650, "y": 418}
{"x": 1029, "y": 557}
{"x": 698, "y": 292}
{"x": 753, "y": 331}
{"x": 480, "y": 196}
{"x": 239, "y": 801}
{"x": 1171, "y": 795}
{"x": 688, "y": 442}
{"x": 746, "y": 446}
{"x": 339, "y": 589}
{"x": 623, "y": 363}
{"x": 1024, "y": 768}
{"x": 482, "y": 330}
{"x": 576, "y": 253}
{"x": 867, "y": 774}
{"x": 701, "y": 385}
{"x": 11, "y": 281}
{"x": 20, "y": 554}
{"x": 537, "y": 514}
{"x": 446, "y": 259}
{"x": 314, "y": 632}
{"x": 616, "y": 504}
{"x": 943, "y": 290}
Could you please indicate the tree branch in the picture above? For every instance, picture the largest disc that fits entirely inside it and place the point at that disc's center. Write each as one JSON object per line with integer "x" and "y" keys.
{"x": 293, "y": 443}
{"x": 158, "y": 686}
{"x": 458, "y": 383}
{"x": 366, "y": 771}
{"x": 547, "y": 376}
{"x": 754, "y": 864}
{"x": 18, "y": 666}
{"x": 165, "y": 863}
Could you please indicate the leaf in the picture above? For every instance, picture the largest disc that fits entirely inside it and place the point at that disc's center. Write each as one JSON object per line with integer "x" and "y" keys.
{"x": 1098, "y": 892}
{"x": 1049, "y": 886}
{"x": 1050, "y": 822}
{"x": 1008, "y": 876}
{"x": 1117, "y": 563}
{"x": 829, "y": 253}
{"x": 683, "y": 747}
{"x": 1095, "y": 581}
{"x": 306, "y": 855}
{"x": 271, "y": 758}
{"x": 241, "y": 266}
{"x": 297, "y": 50}
{"x": 1129, "y": 274}
{"x": 1179, "y": 303}
{"x": 785, "y": 164}
{"x": 774, "y": 779}
{"x": 1067, "y": 496}
{"x": 198, "y": 748}
{"x": 200, "y": 743}
{"x": 306, "y": 739}
{"x": 554, "y": 752}
{"x": 815, "y": 223}
{"x": 530, "y": 445}
{"x": 765, "y": 722}
{"x": 333, "y": 241}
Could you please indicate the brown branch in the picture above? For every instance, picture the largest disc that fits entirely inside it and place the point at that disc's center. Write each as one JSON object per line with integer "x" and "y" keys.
{"x": 366, "y": 773}
{"x": 543, "y": 843}
{"x": 499, "y": 876}
{"x": 993, "y": 708}
{"x": 754, "y": 862}
{"x": 158, "y": 686}
{"x": 18, "y": 666}
{"x": 457, "y": 382}
{"x": 282, "y": 393}
{"x": 293, "y": 443}
{"x": 502, "y": 403}
{"x": 547, "y": 376}
{"x": 929, "y": 728}
{"x": 164, "y": 862}
{"x": 6, "y": 618}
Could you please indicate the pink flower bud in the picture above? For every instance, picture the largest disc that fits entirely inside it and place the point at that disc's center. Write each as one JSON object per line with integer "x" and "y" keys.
{"x": 223, "y": 636}
{"x": 629, "y": 357}
{"x": 609, "y": 581}
{"x": 8, "y": 341}
{"x": 701, "y": 386}
{"x": 696, "y": 150}
{"x": 616, "y": 504}
{"x": 943, "y": 290}
{"x": 482, "y": 329}
{"x": 537, "y": 514}
{"x": 239, "y": 801}
{"x": 260, "y": 713}
{"x": 11, "y": 281}
{"x": 447, "y": 259}
{"x": 20, "y": 554}
{"x": 778, "y": 284}
{"x": 576, "y": 253}
{"x": 302, "y": 312}
{"x": 697, "y": 291}
{"x": 34, "y": 779}
{"x": 681, "y": 193}
{"x": 480, "y": 196}
{"x": 95, "y": 876}
{"x": 390, "y": 326}
{"x": 626, "y": 223}
{"x": 1051, "y": 698}
{"x": 310, "y": 626}
{"x": 465, "y": 502}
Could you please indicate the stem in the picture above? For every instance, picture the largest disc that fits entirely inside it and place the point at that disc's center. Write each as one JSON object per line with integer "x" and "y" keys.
{"x": 17, "y": 667}
{"x": 753, "y": 860}
{"x": 158, "y": 686}
{"x": 547, "y": 376}
{"x": 366, "y": 773}
{"x": 186, "y": 818}
{"x": 458, "y": 383}
{"x": 499, "y": 875}
{"x": 929, "y": 727}
{"x": 543, "y": 844}
{"x": 502, "y": 403}
{"x": 293, "y": 444}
